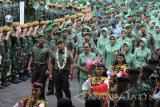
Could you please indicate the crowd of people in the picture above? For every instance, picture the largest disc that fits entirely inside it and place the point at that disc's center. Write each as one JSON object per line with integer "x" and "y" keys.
{"x": 114, "y": 48}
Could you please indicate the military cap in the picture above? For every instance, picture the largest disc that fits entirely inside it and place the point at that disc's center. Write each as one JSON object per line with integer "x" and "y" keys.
{"x": 67, "y": 17}
{"x": 146, "y": 16}
{"x": 49, "y": 22}
{"x": 92, "y": 21}
{"x": 60, "y": 40}
{"x": 6, "y": 28}
{"x": 35, "y": 23}
{"x": 106, "y": 12}
{"x": 61, "y": 20}
{"x": 15, "y": 24}
{"x": 152, "y": 61}
{"x": 29, "y": 24}
{"x": 41, "y": 2}
{"x": 87, "y": 27}
{"x": 147, "y": 70}
{"x": 41, "y": 35}
{"x": 105, "y": 21}
{"x": 54, "y": 24}
{"x": 1, "y": 29}
{"x": 57, "y": 33}
{"x": 125, "y": 12}
{"x": 123, "y": 79}
{"x": 68, "y": 23}
{"x": 1, "y": 1}
{"x": 128, "y": 26}
{"x": 83, "y": 21}
{"x": 48, "y": 29}
{"x": 23, "y": 25}
{"x": 73, "y": 17}
{"x": 56, "y": 20}
{"x": 142, "y": 24}
{"x": 138, "y": 20}
{"x": 115, "y": 5}
{"x": 145, "y": 4}
{"x": 79, "y": 14}
{"x": 43, "y": 22}
{"x": 98, "y": 6}
{"x": 64, "y": 29}
{"x": 133, "y": 71}
{"x": 136, "y": 8}
{"x": 87, "y": 33}
{"x": 78, "y": 20}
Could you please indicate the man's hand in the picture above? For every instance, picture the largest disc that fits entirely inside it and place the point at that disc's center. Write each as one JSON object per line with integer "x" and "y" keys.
{"x": 70, "y": 77}
{"x": 50, "y": 76}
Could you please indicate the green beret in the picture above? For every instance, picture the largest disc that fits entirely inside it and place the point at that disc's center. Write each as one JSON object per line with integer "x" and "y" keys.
{"x": 105, "y": 4}
{"x": 146, "y": 16}
{"x": 115, "y": 4}
{"x": 57, "y": 33}
{"x": 133, "y": 71}
{"x": 106, "y": 12}
{"x": 54, "y": 24}
{"x": 64, "y": 29}
{"x": 50, "y": 22}
{"x": 87, "y": 33}
{"x": 78, "y": 20}
{"x": 128, "y": 26}
{"x": 65, "y": 1}
{"x": 145, "y": 5}
{"x": 98, "y": 6}
{"x": 60, "y": 40}
{"x": 137, "y": 7}
{"x": 125, "y": 12}
{"x": 142, "y": 24}
{"x": 68, "y": 24}
{"x": 41, "y": 35}
{"x": 94, "y": 15}
{"x": 105, "y": 21}
{"x": 49, "y": 29}
{"x": 138, "y": 20}
{"x": 92, "y": 21}
{"x": 81, "y": 1}
{"x": 88, "y": 28}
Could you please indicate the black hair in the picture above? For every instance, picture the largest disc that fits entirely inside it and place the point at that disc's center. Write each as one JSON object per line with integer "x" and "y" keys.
{"x": 120, "y": 54}
{"x": 147, "y": 70}
{"x": 152, "y": 61}
{"x": 93, "y": 101}
{"x": 87, "y": 43}
{"x": 124, "y": 103}
{"x": 64, "y": 102}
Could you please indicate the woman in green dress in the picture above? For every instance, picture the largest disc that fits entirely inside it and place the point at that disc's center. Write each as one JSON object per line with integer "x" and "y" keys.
{"x": 81, "y": 64}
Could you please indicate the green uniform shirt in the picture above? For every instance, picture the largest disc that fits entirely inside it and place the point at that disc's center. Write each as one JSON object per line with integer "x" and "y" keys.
{"x": 61, "y": 59}
{"x": 40, "y": 54}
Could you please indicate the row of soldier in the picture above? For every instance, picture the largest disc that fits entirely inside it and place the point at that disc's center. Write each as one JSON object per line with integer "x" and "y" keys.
{"x": 86, "y": 36}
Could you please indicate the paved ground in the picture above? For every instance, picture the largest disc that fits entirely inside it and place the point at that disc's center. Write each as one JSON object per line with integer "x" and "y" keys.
{"x": 10, "y": 95}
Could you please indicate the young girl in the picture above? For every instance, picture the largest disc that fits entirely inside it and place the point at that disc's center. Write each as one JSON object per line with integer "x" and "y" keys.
{"x": 97, "y": 85}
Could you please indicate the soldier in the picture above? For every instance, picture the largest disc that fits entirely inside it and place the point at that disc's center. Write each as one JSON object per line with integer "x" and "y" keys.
{"x": 35, "y": 31}
{"x": 146, "y": 87}
{"x": 41, "y": 12}
{"x": 24, "y": 46}
{"x": 69, "y": 40}
{"x": 62, "y": 65}
{"x": 16, "y": 52}
{"x": 2, "y": 14}
{"x": 134, "y": 89}
{"x": 15, "y": 11}
{"x": 38, "y": 61}
{"x": 7, "y": 56}
{"x": 49, "y": 13}
{"x": 53, "y": 46}
{"x": 8, "y": 8}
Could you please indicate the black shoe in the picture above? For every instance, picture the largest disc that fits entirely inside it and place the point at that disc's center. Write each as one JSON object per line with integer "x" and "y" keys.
{"x": 14, "y": 81}
{"x": 22, "y": 78}
{"x": 5, "y": 84}
{"x": 49, "y": 93}
{"x": 1, "y": 87}
{"x": 19, "y": 81}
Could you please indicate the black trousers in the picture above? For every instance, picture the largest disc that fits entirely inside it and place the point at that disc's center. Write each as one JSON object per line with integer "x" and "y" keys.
{"x": 62, "y": 84}
{"x": 51, "y": 85}
{"x": 38, "y": 75}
